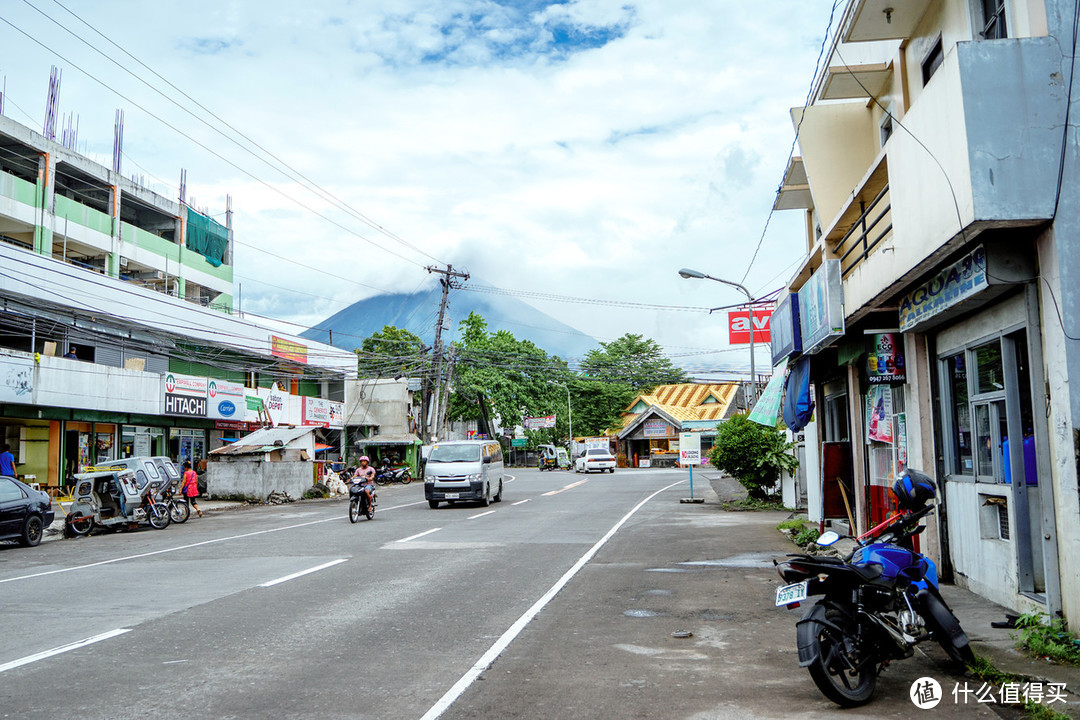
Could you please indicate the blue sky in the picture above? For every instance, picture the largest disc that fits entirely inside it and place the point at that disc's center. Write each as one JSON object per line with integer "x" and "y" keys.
{"x": 583, "y": 148}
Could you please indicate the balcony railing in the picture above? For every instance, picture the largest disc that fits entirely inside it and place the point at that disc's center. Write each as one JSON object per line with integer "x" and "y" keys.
{"x": 873, "y": 225}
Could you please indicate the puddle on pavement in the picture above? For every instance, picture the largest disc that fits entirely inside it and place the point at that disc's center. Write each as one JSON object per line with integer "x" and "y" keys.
{"x": 663, "y": 593}
{"x": 643, "y": 613}
{"x": 743, "y": 560}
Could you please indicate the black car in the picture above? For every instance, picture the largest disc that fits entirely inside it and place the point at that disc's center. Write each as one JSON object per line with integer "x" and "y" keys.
{"x": 24, "y": 512}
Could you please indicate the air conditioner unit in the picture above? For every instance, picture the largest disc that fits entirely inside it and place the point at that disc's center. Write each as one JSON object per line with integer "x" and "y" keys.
{"x": 123, "y": 262}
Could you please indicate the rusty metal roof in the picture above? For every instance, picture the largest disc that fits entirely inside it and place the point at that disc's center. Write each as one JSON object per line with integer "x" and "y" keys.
{"x": 263, "y": 441}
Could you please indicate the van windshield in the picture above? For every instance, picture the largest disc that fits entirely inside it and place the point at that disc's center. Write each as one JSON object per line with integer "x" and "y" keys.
{"x": 455, "y": 453}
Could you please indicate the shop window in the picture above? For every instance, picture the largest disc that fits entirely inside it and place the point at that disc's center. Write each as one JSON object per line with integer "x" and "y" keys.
{"x": 989, "y": 376}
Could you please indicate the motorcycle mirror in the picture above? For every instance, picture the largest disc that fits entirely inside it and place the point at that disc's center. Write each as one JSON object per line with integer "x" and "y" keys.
{"x": 827, "y": 538}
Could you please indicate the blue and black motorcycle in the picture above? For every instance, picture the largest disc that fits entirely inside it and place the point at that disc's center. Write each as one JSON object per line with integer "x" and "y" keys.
{"x": 878, "y": 603}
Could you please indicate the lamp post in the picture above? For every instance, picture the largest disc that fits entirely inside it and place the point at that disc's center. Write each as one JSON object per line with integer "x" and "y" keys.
{"x": 688, "y": 273}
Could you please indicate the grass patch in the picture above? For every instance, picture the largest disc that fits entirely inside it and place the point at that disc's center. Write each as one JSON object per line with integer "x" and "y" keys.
{"x": 1042, "y": 637}
{"x": 749, "y": 504}
{"x": 985, "y": 670}
{"x": 1038, "y": 711}
{"x": 794, "y": 524}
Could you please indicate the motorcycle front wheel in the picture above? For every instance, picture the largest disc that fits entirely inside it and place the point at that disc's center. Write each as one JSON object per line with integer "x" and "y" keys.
{"x": 354, "y": 509}
{"x": 840, "y": 670}
{"x": 383, "y": 480}
{"x": 179, "y": 512}
{"x": 158, "y": 515}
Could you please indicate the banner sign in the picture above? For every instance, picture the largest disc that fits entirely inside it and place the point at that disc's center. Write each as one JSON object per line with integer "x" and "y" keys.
{"x": 185, "y": 395}
{"x": 282, "y": 348}
{"x": 739, "y": 326}
{"x": 767, "y": 408}
{"x": 879, "y": 413}
{"x": 657, "y": 428}
{"x": 226, "y": 400}
{"x": 885, "y": 362}
{"x": 689, "y": 448}
{"x": 954, "y": 284}
{"x": 276, "y": 402}
{"x": 315, "y": 412}
{"x": 536, "y": 423}
{"x": 821, "y": 308}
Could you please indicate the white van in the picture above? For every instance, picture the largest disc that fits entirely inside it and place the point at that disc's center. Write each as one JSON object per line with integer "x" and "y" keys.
{"x": 464, "y": 470}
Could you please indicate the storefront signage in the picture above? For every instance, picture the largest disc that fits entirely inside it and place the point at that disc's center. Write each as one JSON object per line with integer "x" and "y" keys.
{"x": 276, "y": 402}
{"x": 535, "y": 423}
{"x": 821, "y": 308}
{"x": 185, "y": 395}
{"x": 226, "y": 400}
{"x": 597, "y": 443}
{"x": 879, "y": 414}
{"x": 656, "y": 428}
{"x": 288, "y": 349}
{"x": 885, "y": 360}
{"x": 784, "y": 329}
{"x": 16, "y": 379}
{"x": 322, "y": 413}
{"x": 954, "y": 284}
{"x": 739, "y": 326}
{"x": 689, "y": 448}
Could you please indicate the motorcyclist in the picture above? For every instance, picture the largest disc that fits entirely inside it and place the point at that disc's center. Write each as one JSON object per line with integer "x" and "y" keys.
{"x": 365, "y": 476}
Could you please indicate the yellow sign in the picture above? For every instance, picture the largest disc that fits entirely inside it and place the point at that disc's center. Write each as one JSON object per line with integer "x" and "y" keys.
{"x": 282, "y": 348}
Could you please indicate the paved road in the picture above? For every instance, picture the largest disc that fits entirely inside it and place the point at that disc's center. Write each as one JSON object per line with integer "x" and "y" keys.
{"x": 422, "y": 612}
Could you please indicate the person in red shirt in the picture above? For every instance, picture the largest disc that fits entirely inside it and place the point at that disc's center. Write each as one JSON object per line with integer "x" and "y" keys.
{"x": 189, "y": 486}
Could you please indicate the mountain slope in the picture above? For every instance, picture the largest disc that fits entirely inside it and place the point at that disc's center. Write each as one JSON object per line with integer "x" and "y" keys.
{"x": 417, "y": 312}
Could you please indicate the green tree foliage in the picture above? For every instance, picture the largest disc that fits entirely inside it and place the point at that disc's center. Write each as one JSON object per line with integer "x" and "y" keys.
{"x": 597, "y": 404}
{"x": 632, "y": 360}
{"x": 515, "y": 377}
{"x": 753, "y": 454}
{"x": 389, "y": 352}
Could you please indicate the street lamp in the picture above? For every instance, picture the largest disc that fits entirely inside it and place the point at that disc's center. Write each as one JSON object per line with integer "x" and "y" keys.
{"x": 696, "y": 275}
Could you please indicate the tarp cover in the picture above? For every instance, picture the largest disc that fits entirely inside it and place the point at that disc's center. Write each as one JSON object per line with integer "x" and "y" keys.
{"x": 798, "y": 406}
{"x": 207, "y": 237}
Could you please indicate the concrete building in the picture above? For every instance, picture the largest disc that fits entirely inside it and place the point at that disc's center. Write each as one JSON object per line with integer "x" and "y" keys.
{"x": 118, "y": 335}
{"x": 939, "y": 301}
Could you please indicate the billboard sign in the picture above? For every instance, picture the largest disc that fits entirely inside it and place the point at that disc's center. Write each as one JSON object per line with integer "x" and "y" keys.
{"x": 536, "y": 423}
{"x": 784, "y": 329}
{"x": 185, "y": 395}
{"x": 821, "y": 308}
{"x": 739, "y": 326}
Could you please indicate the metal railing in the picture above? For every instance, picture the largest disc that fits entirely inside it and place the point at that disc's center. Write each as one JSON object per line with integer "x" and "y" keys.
{"x": 864, "y": 235}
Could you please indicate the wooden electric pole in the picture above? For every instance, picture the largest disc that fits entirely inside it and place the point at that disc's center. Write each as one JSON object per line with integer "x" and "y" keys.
{"x": 450, "y": 279}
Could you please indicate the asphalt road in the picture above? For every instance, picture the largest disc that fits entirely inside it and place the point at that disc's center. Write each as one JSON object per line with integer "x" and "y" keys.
{"x": 559, "y": 602}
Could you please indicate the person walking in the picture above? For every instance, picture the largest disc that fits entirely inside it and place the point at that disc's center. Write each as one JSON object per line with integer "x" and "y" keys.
{"x": 189, "y": 486}
{"x": 7, "y": 462}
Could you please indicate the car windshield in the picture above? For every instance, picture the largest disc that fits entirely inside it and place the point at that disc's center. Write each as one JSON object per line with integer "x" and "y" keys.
{"x": 455, "y": 453}
{"x": 597, "y": 453}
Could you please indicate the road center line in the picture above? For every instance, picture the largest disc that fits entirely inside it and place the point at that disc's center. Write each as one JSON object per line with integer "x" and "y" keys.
{"x": 191, "y": 545}
{"x": 62, "y": 649}
{"x": 568, "y": 487}
{"x": 514, "y": 630}
{"x": 418, "y": 535}
{"x": 480, "y": 515}
{"x": 520, "y": 502}
{"x": 295, "y": 575}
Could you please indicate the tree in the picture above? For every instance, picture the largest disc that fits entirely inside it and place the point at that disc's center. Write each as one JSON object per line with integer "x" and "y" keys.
{"x": 391, "y": 351}
{"x": 597, "y": 404}
{"x": 753, "y": 454}
{"x": 634, "y": 361}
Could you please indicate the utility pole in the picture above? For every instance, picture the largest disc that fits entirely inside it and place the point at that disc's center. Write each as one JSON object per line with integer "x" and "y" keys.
{"x": 448, "y": 280}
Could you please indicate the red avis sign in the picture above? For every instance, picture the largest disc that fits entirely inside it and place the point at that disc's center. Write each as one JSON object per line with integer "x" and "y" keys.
{"x": 739, "y": 326}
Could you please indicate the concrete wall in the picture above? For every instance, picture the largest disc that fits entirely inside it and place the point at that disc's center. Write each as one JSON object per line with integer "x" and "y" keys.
{"x": 252, "y": 478}
{"x": 59, "y": 382}
{"x": 384, "y": 403}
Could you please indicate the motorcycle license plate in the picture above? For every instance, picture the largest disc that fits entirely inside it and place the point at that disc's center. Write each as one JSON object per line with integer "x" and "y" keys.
{"x": 451, "y": 496}
{"x": 791, "y": 593}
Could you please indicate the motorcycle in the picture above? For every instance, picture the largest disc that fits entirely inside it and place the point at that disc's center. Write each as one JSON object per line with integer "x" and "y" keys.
{"x": 878, "y": 603}
{"x": 113, "y": 498}
{"x": 359, "y": 502}
{"x": 386, "y": 475}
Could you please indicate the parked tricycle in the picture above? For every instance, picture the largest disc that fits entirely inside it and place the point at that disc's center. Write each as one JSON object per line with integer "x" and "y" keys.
{"x": 113, "y": 499}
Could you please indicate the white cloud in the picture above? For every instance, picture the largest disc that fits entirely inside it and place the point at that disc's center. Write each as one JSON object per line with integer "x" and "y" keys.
{"x": 651, "y": 138}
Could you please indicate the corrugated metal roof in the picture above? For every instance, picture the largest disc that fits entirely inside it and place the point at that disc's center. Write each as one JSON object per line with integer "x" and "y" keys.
{"x": 263, "y": 441}
{"x": 688, "y": 401}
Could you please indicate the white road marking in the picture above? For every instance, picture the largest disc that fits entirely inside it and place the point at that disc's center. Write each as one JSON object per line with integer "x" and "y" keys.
{"x": 192, "y": 545}
{"x": 62, "y": 649}
{"x": 295, "y": 575}
{"x": 521, "y": 502}
{"x": 418, "y": 535}
{"x": 480, "y": 515}
{"x": 514, "y": 630}
{"x": 568, "y": 487}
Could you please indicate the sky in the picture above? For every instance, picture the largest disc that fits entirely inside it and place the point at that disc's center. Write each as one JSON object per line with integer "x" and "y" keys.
{"x": 582, "y": 148}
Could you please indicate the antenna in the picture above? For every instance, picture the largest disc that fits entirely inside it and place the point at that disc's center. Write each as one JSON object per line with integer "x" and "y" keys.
{"x": 52, "y": 104}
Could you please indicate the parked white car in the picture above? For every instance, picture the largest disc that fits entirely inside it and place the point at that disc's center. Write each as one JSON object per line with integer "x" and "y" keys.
{"x": 595, "y": 459}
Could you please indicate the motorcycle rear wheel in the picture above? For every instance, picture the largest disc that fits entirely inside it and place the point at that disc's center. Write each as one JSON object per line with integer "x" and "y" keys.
{"x": 406, "y": 478}
{"x": 370, "y": 511}
{"x": 158, "y": 515}
{"x": 354, "y": 509}
{"x": 383, "y": 480}
{"x": 831, "y": 671}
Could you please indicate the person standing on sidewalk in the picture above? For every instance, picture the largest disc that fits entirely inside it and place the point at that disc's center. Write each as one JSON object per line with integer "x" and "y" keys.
{"x": 7, "y": 462}
{"x": 189, "y": 486}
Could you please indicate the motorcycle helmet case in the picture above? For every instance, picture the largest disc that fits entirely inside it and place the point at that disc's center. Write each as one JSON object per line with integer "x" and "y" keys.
{"x": 913, "y": 489}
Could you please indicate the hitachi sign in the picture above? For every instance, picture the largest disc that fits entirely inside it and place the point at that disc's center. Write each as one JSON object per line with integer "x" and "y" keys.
{"x": 185, "y": 405}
